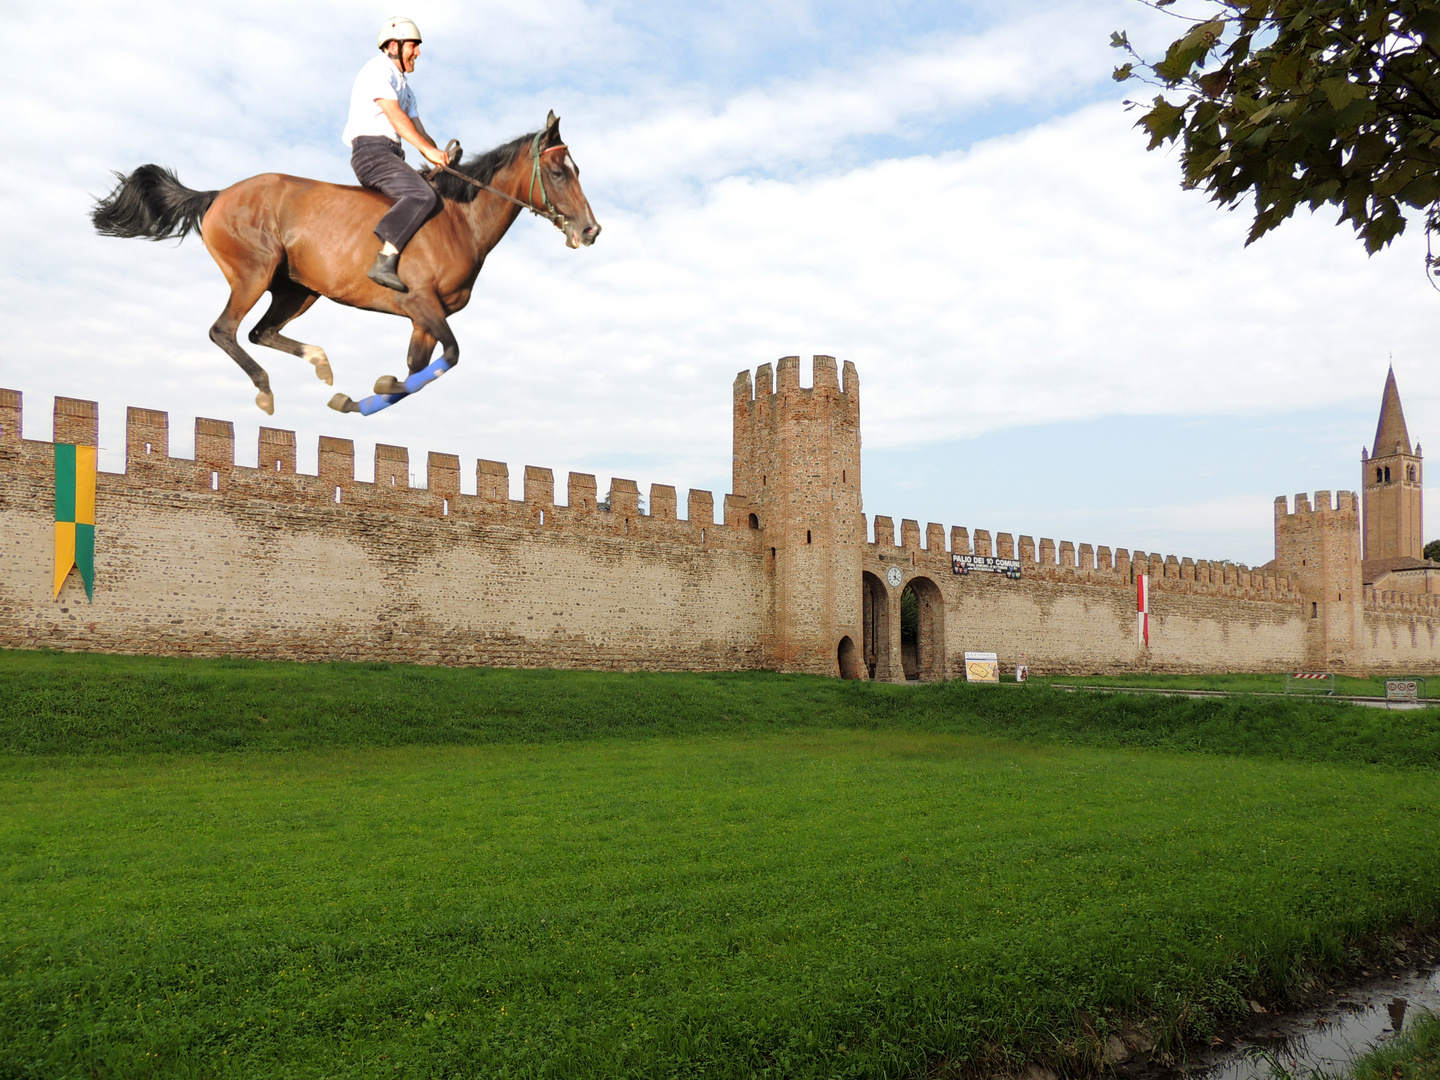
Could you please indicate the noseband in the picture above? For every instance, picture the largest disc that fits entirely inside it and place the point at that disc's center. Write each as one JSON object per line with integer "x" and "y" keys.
{"x": 551, "y": 214}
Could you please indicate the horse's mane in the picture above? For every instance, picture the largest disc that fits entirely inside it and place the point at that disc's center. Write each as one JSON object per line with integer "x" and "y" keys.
{"x": 482, "y": 167}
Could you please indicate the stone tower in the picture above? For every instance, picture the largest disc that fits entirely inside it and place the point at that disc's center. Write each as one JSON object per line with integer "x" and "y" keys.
{"x": 797, "y": 470}
{"x": 1392, "y": 481}
{"x": 1319, "y": 548}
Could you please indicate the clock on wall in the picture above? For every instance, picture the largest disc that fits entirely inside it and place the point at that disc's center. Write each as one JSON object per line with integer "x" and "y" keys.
{"x": 894, "y": 576}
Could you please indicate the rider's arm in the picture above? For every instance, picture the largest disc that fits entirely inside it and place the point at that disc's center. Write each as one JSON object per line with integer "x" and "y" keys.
{"x": 411, "y": 131}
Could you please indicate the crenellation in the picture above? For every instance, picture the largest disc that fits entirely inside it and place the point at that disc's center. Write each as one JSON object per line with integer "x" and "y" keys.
{"x": 337, "y": 461}
{"x": 1172, "y": 568}
{"x": 1122, "y": 564}
{"x": 935, "y": 538}
{"x": 1004, "y": 546}
{"x": 663, "y": 502}
{"x": 1047, "y": 552}
{"x": 1066, "y": 556}
{"x": 215, "y": 445}
{"x": 276, "y": 452}
{"x": 147, "y": 439}
{"x": 580, "y": 493}
{"x": 1087, "y": 559}
{"x": 982, "y": 542}
{"x": 392, "y": 467}
{"x": 539, "y": 488}
{"x": 12, "y": 415}
{"x": 492, "y": 481}
{"x": 701, "y": 510}
{"x": 787, "y": 375}
{"x": 910, "y": 534}
{"x": 884, "y": 531}
{"x": 77, "y": 422}
{"x": 1026, "y": 547}
{"x": 959, "y": 540}
{"x": 823, "y": 373}
{"x": 624, "y": 498}
{"x": 765, "y": 380}
{"x": 735, "y": 513}
{"x": 1104, "y": 559}
{"x": 442, "y": 475}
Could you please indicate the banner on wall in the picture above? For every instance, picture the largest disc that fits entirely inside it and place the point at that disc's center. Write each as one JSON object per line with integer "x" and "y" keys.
{"x": 986, "y": 564}
{"x": 1142, "y": 608}
{"x": 75, "y": 515}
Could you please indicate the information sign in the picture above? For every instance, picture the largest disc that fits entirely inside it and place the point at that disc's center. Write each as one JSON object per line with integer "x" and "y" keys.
{"x": 1402, "y": 690}
{"x": 982, "y": 667}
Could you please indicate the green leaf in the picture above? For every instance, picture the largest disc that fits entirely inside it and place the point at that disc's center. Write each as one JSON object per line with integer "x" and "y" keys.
{"x": 1341, "y": 92}
{"x": 1118, "y": 40}
{"x": 1163, "y": 121}
{"x": 1123, "y": 72}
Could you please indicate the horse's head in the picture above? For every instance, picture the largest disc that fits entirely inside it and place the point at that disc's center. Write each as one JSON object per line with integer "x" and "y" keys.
{"x": 559, "y": 184}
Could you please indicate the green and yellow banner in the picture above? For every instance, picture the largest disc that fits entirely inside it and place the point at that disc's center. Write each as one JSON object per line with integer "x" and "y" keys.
{"x": 75, "y": 514}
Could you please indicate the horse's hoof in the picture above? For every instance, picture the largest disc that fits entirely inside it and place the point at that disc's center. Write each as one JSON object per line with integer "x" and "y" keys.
{"x": 388, "y": 384}
{"x": 266, "y": 400}
{"x": 321, "y": 362}
{"x": 343, "y": 403}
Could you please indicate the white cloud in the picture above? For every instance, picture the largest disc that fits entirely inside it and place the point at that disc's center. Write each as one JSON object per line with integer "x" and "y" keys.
{"x": 1052, "y": 273}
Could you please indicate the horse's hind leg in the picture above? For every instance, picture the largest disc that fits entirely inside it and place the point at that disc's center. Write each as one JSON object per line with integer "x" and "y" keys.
{"x": 245, "y": 292}
{"x": 288, "y": 302}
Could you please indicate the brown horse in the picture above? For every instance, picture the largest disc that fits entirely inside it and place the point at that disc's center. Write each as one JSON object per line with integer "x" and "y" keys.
{"x": 302, "y": 239}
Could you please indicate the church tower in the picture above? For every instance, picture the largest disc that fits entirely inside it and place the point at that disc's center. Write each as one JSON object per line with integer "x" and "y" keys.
{"x": 1392, "y": 481}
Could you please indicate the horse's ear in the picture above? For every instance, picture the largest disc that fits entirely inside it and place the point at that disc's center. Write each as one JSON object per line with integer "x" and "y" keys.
{"x": 552, "y": 126}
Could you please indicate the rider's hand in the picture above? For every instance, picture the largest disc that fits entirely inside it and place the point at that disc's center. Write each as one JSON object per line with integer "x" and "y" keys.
{"x": 435, "y": 155}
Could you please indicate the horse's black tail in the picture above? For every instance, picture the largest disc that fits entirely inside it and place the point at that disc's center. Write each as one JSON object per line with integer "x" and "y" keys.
{"x": 151, "y": 203}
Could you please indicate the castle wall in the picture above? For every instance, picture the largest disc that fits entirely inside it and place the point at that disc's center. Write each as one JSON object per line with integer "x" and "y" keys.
{"x": 202, "y": 557}
{"x": 1073, "y": 609}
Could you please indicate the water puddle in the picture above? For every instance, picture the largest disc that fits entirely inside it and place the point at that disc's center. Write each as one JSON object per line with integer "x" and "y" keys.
{"x": 1323, "y": 1040}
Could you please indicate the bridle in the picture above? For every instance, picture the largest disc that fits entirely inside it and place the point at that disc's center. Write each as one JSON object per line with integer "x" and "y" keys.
{"x": 537, "y": 179}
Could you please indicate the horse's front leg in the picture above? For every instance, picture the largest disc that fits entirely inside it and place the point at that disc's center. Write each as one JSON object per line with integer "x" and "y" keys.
{"x": 431, "y": 328}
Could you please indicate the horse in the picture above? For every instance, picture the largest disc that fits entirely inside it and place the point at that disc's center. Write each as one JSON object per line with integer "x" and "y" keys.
{"x": 301, "y": 239}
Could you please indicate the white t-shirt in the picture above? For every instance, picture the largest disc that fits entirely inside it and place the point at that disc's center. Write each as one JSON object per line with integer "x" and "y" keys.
{"x": 378, "y": 79}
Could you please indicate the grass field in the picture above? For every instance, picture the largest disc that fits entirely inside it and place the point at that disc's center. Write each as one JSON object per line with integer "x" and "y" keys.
{"x": 216, "y": 868}
{"x": 1345, "y": 685}
{"x": 1414, "y": 1055}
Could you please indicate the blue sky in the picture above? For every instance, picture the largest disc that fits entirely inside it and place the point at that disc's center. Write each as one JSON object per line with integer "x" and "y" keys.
{"x": 1052, "y": 338}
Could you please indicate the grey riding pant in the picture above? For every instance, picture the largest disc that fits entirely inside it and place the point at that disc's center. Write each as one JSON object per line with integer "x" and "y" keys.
{"x": 379, "y": 163}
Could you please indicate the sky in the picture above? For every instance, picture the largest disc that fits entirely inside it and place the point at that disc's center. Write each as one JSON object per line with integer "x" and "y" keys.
{"x": 1052, "y": 337}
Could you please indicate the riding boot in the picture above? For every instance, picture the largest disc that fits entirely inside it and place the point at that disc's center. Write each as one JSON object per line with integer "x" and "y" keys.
{"x": 384, "y": 272}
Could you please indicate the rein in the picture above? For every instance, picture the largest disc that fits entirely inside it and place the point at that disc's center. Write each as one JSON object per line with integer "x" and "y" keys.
{"x": 550, "y": 213}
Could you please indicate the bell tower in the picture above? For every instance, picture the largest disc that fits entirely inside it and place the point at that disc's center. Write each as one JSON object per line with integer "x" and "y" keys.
{"x": 1392, "y": 478}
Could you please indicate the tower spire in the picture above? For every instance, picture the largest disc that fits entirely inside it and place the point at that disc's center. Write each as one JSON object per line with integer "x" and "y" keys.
{"x": 1391, "y": 436}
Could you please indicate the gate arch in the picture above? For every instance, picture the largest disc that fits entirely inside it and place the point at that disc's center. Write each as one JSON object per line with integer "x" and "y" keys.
{"x": 875, "y": 621}
{"x": 922, "y": 631}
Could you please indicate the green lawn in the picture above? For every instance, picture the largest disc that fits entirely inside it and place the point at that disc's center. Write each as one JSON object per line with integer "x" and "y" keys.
{"x": 1244, "y": 684}
{"x": 856, "y": 885}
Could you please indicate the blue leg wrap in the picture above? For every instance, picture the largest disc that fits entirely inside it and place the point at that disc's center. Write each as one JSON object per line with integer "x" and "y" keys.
{"x": 375, "y": 402}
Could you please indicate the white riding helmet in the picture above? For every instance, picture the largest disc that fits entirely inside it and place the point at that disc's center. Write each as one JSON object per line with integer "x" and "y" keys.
{"x": 398, "y": 28}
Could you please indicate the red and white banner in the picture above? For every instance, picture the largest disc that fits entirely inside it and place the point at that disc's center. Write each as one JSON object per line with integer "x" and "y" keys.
{"x": 1142, "y": 608}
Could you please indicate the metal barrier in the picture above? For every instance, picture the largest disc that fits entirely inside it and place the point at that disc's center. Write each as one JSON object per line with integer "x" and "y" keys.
{"x": 1310, "y": 682}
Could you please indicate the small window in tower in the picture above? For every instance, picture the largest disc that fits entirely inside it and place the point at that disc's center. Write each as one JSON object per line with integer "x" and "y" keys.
{"x": 1410, "y": 473}
{"x": 1387, "y": 474}
{"x": 754, "y": 522}
{"x": 1314, "y": 610}
{"x": 807, "y": 536}
{"x": 762, "y": 480}
{"x": 1379, "y": 475}
{"x": 842, "y": 476}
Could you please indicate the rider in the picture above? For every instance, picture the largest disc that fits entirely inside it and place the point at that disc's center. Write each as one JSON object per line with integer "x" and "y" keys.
{"x": 382, "y": 112}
